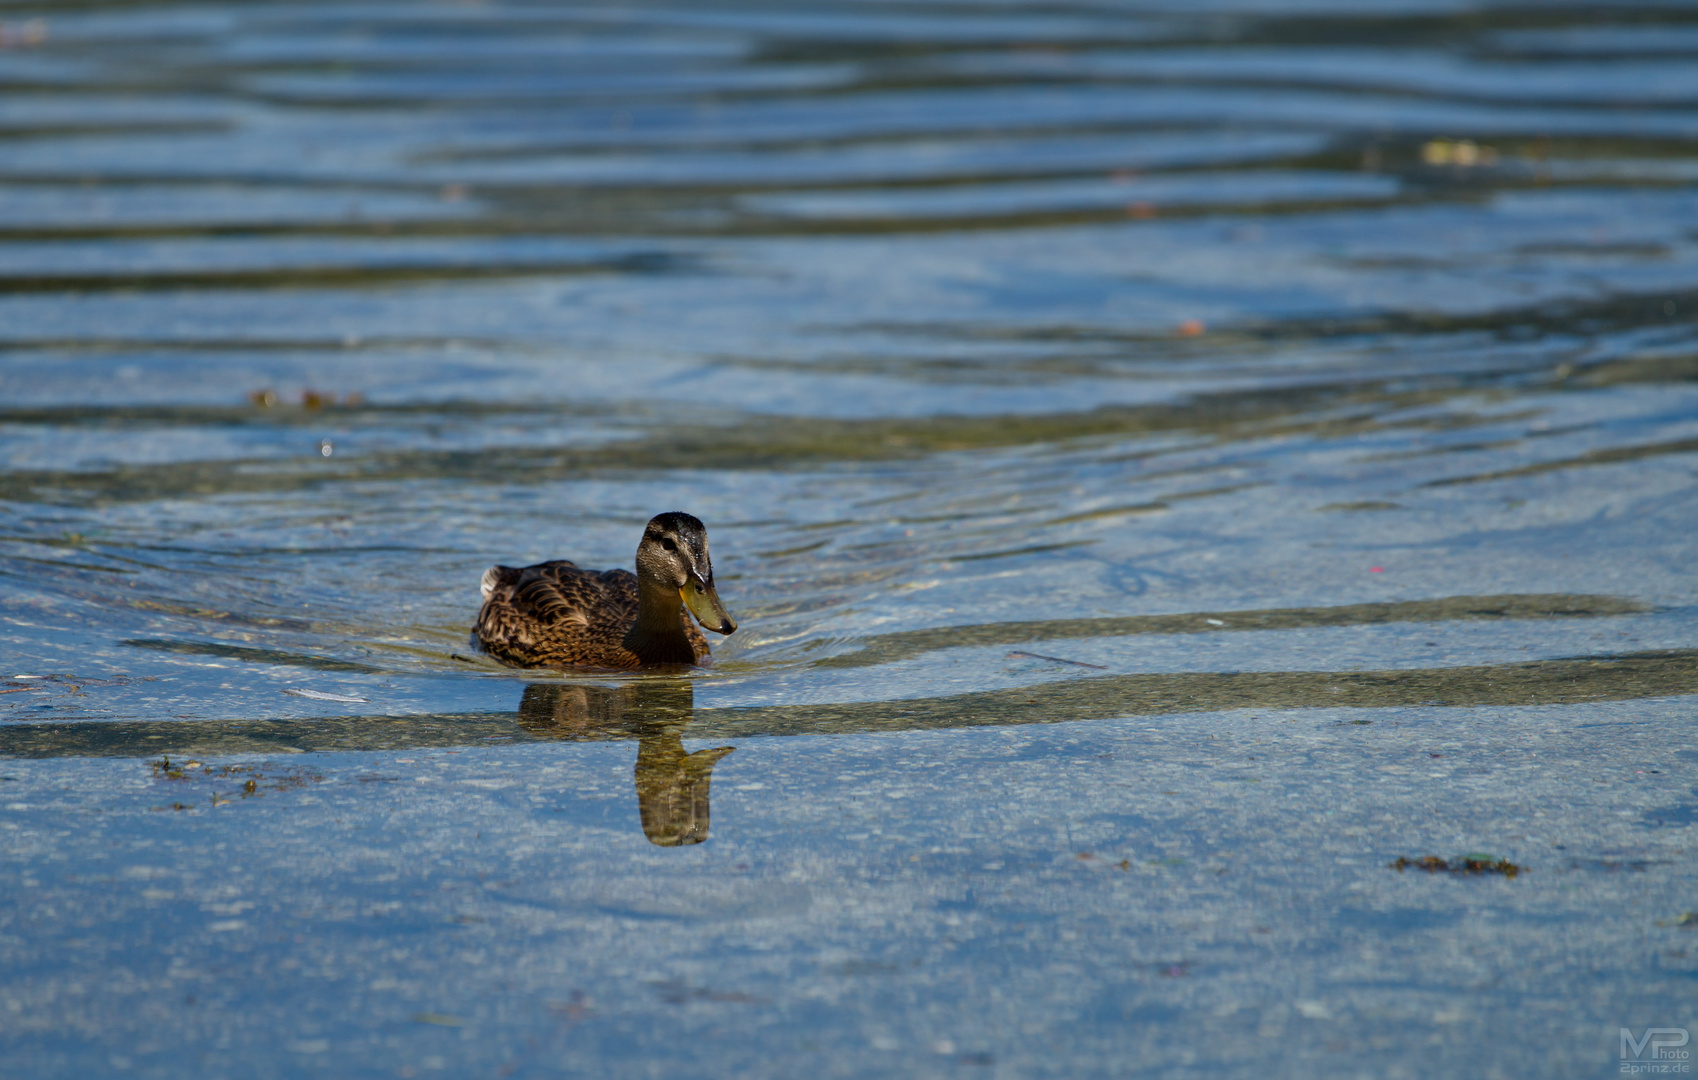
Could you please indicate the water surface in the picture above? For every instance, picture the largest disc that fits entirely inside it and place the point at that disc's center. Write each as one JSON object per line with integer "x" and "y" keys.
{"x": 1168, "y": 463}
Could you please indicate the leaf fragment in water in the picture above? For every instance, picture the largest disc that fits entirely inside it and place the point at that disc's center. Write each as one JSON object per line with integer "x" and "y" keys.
{"x": 438, "y": 1019}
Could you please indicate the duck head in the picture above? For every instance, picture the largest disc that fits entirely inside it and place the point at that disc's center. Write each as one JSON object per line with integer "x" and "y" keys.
{"x": 674, "y": 555}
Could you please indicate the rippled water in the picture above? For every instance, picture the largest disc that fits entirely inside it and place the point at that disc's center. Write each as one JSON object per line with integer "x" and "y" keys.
{"x": 1168, "y": 463}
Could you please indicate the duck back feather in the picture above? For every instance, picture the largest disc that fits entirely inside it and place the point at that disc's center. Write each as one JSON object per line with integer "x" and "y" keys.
{"x": 555, "y": 614}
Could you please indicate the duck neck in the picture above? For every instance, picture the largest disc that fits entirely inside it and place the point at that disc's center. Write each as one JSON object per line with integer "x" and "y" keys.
{"x": 657, "y": 637}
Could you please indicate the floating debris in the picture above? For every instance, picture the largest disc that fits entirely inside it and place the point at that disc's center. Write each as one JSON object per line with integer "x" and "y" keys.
{"x": 164, "y": 770}
{"x": 1463, "y": 153}
{"x": 320, "y": 695}
{"x": 25, "y": 35}
{"x": 1467, "y": 864}
{"x": 1056, "y": 659}
{"x": 438, "y": 1019}
{"x": 311, "y": 400}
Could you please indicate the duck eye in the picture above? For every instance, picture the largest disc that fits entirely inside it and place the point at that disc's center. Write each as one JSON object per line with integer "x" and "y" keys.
{"x": 668, "y": 544}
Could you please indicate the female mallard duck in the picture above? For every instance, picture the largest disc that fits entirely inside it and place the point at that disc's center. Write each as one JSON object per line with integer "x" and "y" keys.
{"x": 556, "y": 615}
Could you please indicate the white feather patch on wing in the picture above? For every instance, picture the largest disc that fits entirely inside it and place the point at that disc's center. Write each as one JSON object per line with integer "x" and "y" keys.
{"x": 489, "y": 578}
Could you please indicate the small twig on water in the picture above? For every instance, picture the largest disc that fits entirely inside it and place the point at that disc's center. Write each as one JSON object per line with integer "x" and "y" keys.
{"x": 1058, "y": 660}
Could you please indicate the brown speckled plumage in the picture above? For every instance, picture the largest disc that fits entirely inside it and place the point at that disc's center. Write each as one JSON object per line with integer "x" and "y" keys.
{"x": 555, "y": 614}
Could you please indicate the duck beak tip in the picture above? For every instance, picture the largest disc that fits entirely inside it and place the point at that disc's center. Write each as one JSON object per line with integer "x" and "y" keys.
{"x": 703, "y": 602}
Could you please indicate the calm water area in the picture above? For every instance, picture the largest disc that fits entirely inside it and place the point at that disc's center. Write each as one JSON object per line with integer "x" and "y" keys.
{"x": 1208, "y": 490}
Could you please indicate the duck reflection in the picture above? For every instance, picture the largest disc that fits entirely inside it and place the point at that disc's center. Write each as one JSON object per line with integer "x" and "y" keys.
{"x": 672, "y": 784}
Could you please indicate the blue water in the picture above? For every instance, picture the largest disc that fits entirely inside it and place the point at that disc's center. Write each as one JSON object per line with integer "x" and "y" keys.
{"x": 1168, "y": 463}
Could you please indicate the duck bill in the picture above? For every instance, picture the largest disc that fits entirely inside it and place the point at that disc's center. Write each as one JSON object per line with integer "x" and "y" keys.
{"x": 704, "y": 604}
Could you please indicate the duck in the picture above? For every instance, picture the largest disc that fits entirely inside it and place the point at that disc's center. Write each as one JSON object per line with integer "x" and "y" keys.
{"x": 558, "y": 615}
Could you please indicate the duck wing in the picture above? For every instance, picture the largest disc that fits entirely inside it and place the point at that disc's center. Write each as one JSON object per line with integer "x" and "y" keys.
{"x": 556, "y": 612}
